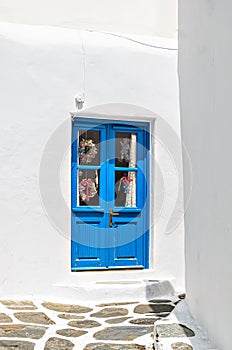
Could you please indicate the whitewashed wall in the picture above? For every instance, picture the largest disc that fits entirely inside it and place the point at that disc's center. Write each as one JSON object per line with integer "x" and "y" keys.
{"x": 146, "y": 17}
{"x": 41, "y": 73}
{"x": 205, "y": 85}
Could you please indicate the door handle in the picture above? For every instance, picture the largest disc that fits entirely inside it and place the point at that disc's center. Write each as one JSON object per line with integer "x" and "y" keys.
{"x": 111, "y": 216}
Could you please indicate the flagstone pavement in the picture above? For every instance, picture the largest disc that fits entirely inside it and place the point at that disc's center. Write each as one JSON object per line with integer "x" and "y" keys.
{"x": 46, "y": 325}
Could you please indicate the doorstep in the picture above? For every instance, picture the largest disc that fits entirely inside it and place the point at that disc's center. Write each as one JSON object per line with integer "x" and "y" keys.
{"x": 113, "y": 285}
{"x": 121, "y": 290}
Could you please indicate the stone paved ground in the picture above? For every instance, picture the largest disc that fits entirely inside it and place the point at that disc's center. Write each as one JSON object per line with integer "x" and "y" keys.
{"x": 179, "y": 331}
{"x": 43, "y": 325}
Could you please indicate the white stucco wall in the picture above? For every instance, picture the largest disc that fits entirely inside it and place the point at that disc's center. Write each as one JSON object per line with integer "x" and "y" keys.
{"x": 147, "y": 17}
{"x": 205, "y": 86}
{"x": 41, "y": 73}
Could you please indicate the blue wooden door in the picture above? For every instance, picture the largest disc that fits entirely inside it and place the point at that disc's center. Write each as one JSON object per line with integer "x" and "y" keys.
{"x": 110, "y": 202}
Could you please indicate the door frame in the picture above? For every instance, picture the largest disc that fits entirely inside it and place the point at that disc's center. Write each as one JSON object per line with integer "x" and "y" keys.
{"x": 146, "y": 126}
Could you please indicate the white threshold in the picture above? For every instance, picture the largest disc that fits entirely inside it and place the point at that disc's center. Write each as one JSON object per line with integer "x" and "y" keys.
{"x": 114, "y": 285}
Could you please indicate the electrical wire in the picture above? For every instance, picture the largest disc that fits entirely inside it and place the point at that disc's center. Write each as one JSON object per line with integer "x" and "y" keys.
{"x": 115, "y": 35}
{"x": 84, "y": 64}
{"x": 133, "y": 40}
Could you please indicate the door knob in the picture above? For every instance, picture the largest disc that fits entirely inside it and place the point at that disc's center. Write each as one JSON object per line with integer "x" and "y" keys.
{"x": 111, "y": 216}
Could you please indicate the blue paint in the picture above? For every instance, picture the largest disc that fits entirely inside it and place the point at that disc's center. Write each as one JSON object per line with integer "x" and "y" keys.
{"x": 91, "y": 224}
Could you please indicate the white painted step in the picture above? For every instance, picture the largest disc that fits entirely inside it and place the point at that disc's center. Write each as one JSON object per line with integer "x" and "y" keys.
{"x": 115, "y": 290}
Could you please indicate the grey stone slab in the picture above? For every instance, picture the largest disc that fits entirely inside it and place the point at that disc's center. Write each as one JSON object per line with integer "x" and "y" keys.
{"x": 161, "y": 314}
{"x": 34, "y": 317}
{"x": 22, "y": 331}
{"x": 58, "y": 344}
{"x": 16, "y": 345}
{"x": 19, "y": 305}
{"x": 118, "y": 304}
{"x": 125, "y": 333}
{"x": 153, "y": 308}
{"x": 117, "y": 320}
{"x": 153, "y": 281}
{"x": 181, "y": 346}
{"x": 173, "y": 330}
{"x": 84, "y": 324}
{"x": 105, "y": 346}
{"x": 110, "y": 312}
{"x": 182, "y": 296}
{"x": 71, "y": 317}
{"x": 144, "y": 321}
{"x": 118, "y": 282}
{"x": 70, "y": 332}
{"x": 68, "y": 308}
{"x": 158, "y": 301}
{"x": 4, "y": 318}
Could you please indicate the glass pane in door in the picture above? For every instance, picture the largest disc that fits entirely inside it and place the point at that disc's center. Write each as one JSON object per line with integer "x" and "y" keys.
{"x": 126, "y": 149}
{"x": 89, "y": 147}
{"x": 88, "y": 187}
{"x": 125, "y": 189}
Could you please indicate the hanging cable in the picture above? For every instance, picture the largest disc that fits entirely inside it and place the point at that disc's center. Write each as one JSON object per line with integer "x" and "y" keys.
{"x": 84, "y": 65}
{"x": 130, "y": 39}
{"x": 79, "y": 100}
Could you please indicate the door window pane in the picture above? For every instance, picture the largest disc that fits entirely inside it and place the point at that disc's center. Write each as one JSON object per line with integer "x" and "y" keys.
{"x": 88, "y": 187}
{"x": 89, "y": 147}
{"x": 125, "y": 149}
{"x": 125, "y": 189}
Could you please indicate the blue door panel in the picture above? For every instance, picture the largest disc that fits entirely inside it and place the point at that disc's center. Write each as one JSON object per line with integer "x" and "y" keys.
{"x": 87, "y": 240}
{"x": 83, "y": 258}
{"x": 99, "y": 240}
{"x": 130, "y": 254}
{"x": 127, "y": 250}
{"x": 92, "y": 239}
